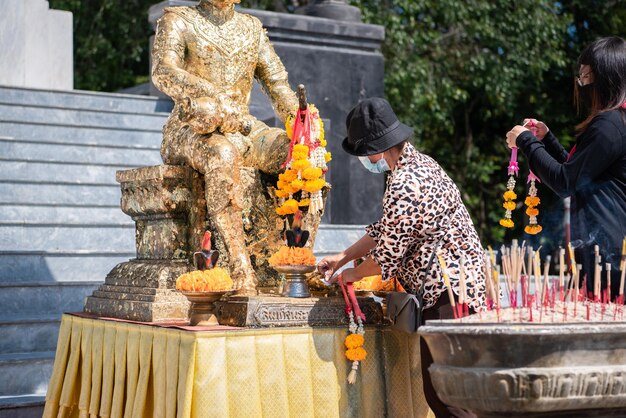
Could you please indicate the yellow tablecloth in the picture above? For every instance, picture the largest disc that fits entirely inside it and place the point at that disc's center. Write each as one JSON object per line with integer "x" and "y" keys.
{"x": 118, "y": 369}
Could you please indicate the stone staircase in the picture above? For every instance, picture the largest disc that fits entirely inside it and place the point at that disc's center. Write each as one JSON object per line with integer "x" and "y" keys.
{"x": 61, "y": 228}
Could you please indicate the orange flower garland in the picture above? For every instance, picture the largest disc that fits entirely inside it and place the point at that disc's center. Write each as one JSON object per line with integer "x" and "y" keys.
{"x": 305, "y": 169}
{"x": 509, "y": 203}
{"x": 354, "y": 345}
{"x": 532, "y": 201}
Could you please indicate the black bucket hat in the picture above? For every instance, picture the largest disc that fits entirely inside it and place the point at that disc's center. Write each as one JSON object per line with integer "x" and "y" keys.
{"x": 373, "y": 128}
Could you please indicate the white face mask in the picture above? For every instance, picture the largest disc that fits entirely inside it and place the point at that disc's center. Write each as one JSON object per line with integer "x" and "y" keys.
{"x": 378, "y": 167}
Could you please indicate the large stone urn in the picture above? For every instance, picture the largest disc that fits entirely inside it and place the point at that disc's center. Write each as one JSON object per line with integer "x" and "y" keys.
{"x": 530, "y": 370}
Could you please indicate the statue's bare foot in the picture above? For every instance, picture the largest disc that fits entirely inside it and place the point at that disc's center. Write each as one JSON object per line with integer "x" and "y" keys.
{"x": 244, "y": 276}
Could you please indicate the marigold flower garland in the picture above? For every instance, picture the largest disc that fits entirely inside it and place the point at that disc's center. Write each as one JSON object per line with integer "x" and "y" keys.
{"x": 355, "y": 340}
{"x": 509, "y": 195}
{"x": 306, "y": 164}
{"x": 532, "y": 201}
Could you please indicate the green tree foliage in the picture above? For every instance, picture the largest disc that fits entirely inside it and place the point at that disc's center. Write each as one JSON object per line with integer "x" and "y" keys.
{"x": 457, "y": 72}
{"x": 110, "y": 42}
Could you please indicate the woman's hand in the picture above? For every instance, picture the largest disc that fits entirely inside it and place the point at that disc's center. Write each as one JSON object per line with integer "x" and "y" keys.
{"x": 329, "y": 265}
{"x": 511, "y": 136}
{"x": 542, "y": 129}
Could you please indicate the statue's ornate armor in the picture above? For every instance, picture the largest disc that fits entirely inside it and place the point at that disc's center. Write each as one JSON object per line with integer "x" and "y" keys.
{"x": 207, "y": 64}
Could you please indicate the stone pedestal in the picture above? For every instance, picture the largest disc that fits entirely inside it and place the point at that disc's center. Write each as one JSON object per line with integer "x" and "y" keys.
{"x": 168, "y": 207}
{"x": 276, "y": 311}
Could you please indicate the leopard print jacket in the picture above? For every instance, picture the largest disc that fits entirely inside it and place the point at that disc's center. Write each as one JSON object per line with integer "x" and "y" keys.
{"x": 422, "y": 211}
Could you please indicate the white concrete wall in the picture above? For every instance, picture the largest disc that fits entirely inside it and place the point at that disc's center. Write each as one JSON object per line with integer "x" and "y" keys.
{"x": 36, "y": 45}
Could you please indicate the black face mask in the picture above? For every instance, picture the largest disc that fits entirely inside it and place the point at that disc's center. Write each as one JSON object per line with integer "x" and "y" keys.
{"x": 585, "y": 94}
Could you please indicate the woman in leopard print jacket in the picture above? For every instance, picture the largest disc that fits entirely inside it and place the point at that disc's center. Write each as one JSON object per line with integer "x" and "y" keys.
{"x": 422, "y": 213}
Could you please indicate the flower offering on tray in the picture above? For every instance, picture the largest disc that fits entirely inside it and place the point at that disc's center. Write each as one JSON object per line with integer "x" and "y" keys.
{"x": 376, "y": 284}
{"x": 292, "y": 256}
{"x": 210, "y": 280}
{"x": 294, "y": 253}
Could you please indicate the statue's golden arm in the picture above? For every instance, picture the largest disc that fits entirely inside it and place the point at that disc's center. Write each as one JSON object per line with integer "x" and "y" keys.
{"x": 168, "y": 68}
{"x": 272, "y": 76}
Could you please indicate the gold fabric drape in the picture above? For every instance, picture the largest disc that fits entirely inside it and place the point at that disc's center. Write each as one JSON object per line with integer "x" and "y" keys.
{"x": 127, "y": 370}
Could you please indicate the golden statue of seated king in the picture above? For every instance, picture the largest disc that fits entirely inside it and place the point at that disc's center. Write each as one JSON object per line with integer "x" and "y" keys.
{"x": 206, "y": 59}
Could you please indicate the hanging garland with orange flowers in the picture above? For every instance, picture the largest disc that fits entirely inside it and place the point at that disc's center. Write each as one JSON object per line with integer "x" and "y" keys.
{"x": 355, "y": 340}
{"x": 304, "y": 178}
{"x": 532, "y": 201}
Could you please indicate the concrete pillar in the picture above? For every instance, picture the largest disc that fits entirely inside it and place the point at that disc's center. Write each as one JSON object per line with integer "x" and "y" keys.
{"x": 36, "y": 46}
{"x": 332, "y": 9}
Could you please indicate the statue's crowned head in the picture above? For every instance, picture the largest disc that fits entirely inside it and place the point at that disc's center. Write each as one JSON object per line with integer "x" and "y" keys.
{"x": 221, "y": 4}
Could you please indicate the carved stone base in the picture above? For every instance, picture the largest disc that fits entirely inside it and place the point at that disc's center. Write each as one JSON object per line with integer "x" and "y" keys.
{"x": 142, "y": 290}
{"x": 276, "y": 311}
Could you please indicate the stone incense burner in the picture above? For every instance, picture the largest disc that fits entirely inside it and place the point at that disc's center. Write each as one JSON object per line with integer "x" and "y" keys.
{"x": 530, "y": 370}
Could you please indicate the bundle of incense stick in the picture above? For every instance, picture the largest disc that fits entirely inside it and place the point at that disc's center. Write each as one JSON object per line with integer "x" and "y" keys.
{"x": 539, "y": 293}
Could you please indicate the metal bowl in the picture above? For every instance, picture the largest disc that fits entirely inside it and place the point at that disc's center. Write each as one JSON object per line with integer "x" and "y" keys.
{"x": 294, "y": 269}
{"x": 296, "y": 285}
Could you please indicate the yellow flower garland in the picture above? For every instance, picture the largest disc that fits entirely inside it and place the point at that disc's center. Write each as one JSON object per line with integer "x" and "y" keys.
{"x": 305, "y": 170}
{"x": 509, "y": 203}
{"x": 532, "y": 201}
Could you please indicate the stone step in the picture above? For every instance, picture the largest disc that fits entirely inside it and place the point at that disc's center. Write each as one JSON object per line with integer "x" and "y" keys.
{"x": 120, "y": 238}
{"x": 18, "y": 171}
{"x": 63, "y": 214}
{"x": 39, "y": 298}
{"x": 51, "y": 194}
{"x": 111, "y": 136}
{"x": 22, "y": 406}
{"x": 33, "y": 266}
{"x": 25, "y": 334}
{"x": 82, "y": 117}
{"x": 76, "y": 154}
{"x": 25, "y": 373}
{"x": 68, "y": 238}
{"x": 78, "y": 99}
{"x": 332, "y": 239}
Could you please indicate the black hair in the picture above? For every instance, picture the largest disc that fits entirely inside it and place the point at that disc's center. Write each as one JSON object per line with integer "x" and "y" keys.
{"x": 607, "y": 59}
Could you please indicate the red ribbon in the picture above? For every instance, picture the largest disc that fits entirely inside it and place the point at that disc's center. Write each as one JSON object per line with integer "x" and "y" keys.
{"x": 301, "y": 132}
{"x": 513, "y": 167}
{"x": 350, "y": 298}
{"x": 573, "y": 150}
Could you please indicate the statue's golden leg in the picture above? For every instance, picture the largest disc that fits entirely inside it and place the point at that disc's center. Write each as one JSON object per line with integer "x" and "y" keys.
{"x": 219, "y": 160}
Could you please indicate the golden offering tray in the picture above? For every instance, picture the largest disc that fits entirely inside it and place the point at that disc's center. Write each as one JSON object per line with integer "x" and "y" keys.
{"x": 203, "y": 306}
